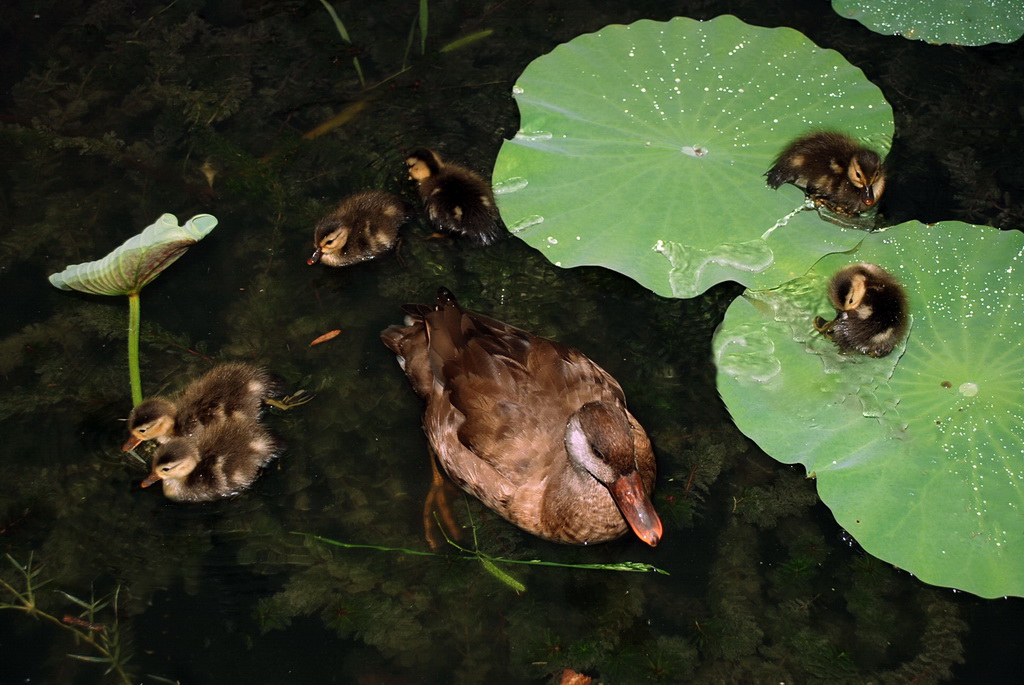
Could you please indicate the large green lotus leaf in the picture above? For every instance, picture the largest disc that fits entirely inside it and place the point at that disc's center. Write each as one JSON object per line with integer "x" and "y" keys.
{"x": 643, "y": 149}
{"x": 920, "y": 455}
{"x": 960, "y": 22}
{"x": 139, "y": 260}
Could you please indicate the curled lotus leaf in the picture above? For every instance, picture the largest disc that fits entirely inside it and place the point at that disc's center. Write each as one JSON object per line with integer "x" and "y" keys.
{"x": 919, "y": 454}
{"x": 139, "y": 260}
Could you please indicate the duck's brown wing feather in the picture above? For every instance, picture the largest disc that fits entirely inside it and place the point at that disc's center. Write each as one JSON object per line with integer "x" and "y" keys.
{"x": 514, "y": 391}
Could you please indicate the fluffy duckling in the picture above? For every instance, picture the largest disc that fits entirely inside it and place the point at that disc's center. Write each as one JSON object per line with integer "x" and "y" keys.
{"x": 363, "y": 227}
{"x": 220, "y": 460}
{"x": 871, "y": 310}
{"x": 228, "y": 390}
{"x": 834, "y": 170}
{"x": 457, "y": 201}
{"x": 534, "y": 429}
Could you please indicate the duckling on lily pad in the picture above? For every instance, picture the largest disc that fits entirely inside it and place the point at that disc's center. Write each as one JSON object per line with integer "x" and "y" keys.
{"x": 457, "y": 201}
{"x": 226, "y": 391}
{"x": 834, "y": 170}
{"x": 364, "y": 226}
{"x": 871, "y": 310}
{"x": 220, "y": 460}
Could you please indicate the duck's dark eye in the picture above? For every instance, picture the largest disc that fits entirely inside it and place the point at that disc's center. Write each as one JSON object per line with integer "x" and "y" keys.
{"x": 141, "y": 430}
{"x": 328, "y": 243}
{"x": 165, "y": 469}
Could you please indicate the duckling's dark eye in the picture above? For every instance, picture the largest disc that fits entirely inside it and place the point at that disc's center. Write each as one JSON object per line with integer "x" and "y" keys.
{"x": 328, "y": 243}
{"x": 165, "y": 469}
{"x": 141, "y": 430}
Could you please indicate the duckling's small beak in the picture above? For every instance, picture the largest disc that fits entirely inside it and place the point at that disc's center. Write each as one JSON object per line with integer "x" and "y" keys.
{"x": 131, "y": 443}
{"x": 315, "y": 257}
{"x": 636, "y": 508}
{"x": 150, "y": 479}
{"x": 869, "y": 195}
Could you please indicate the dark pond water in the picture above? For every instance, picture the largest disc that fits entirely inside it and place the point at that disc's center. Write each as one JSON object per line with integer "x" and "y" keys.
{"x": 110, "y": 112}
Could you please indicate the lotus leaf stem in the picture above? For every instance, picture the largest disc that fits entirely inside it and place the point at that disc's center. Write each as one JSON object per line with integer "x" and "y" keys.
{"x": 134, "y": 316}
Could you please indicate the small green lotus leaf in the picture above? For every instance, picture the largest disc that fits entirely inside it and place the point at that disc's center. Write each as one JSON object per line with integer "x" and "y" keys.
{"x": 920, "y": 454}
{"x": 643, "y": 149}
{"x": 139, "y": 260}
{"x": 959, "y": 22}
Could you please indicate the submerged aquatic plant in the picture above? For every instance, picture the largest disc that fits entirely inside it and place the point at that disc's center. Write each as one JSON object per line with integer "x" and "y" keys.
{"x": 105, "y": 638}
{"x": 132, "y": 266}
{"x": 820, "y": 618}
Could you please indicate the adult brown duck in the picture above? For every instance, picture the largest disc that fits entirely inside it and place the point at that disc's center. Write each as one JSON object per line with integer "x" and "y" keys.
{"x": 531, "y": 427}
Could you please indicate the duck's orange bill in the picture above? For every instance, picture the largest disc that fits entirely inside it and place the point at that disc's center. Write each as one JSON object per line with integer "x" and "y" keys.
{"x": 636, "y": 508}
{"x": 131, "y": 443}
{"x": 150, "y": 479}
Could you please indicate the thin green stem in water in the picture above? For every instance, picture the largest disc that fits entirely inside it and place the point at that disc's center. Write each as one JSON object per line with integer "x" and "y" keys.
{"x": 424, "y": 21}
{"x": 134, "y": 317}
{"x": 489, "y": 560}
{"x": 345, "y": 37}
